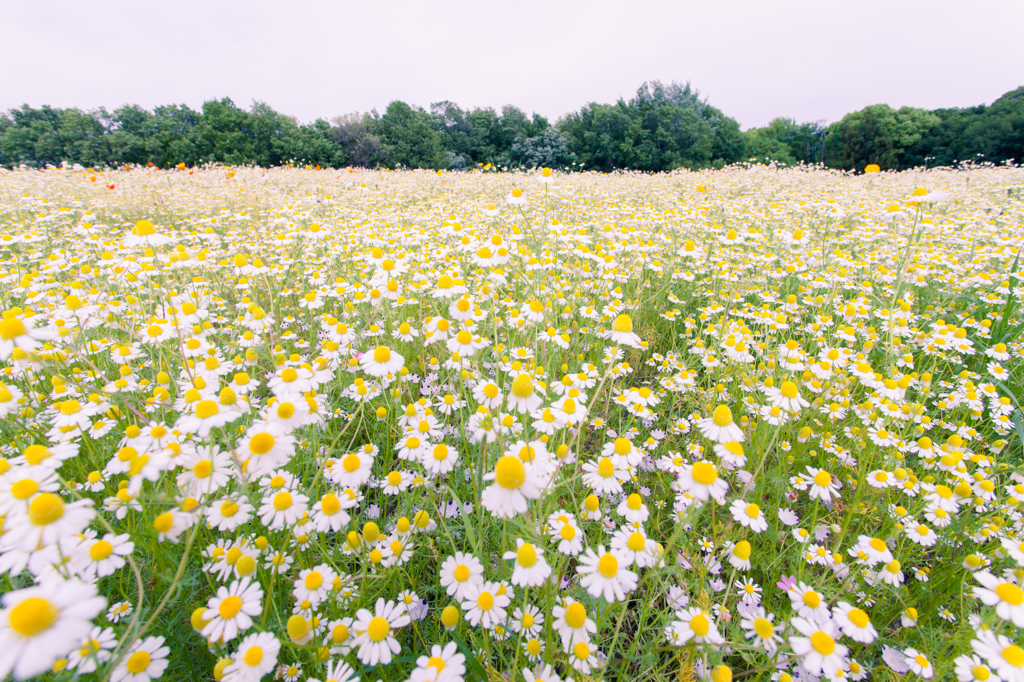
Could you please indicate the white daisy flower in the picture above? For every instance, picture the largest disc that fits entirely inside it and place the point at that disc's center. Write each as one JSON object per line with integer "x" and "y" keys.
{"x": 231, "y": 610}
{"x": 374, "y": 632}
{"x": 603, "y": 574}
{"x": 40, "y": 624}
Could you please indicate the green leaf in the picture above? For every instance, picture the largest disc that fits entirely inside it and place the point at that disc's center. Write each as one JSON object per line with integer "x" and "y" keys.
{"x": 474, "y": 665}
{"x": 467, "y": 526}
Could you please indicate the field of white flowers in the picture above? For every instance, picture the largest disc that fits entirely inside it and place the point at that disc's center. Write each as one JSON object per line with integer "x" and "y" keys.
{"x": 302, "y": 424}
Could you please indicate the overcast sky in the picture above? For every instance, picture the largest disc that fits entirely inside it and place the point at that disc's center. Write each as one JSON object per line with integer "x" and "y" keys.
{"x": 755, "y": 60}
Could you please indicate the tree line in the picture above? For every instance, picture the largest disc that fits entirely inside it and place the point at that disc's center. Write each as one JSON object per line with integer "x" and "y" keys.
{"x": 663, "y": 127}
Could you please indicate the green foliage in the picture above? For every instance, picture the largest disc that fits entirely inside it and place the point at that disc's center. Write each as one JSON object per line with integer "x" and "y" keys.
{"x": 663, "y": 127}
{"x": 994, "y": 133}
{"x": 549, "y": 149}
{"x": 353, "y": 134}
{"x": 36, "y": 137}
{"x": 408, "y": 137}
{"x": 876, "y": 134}
{"x": 783, "y": 140}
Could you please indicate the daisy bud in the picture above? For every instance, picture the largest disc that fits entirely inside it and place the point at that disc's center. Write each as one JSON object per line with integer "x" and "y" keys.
{"x": 218, "y": 670}
{"x": 298, "y": 629}
{"x": 197, "y": 619}
{"x": 721, "y": 673}
{"x": 450, "y": 616}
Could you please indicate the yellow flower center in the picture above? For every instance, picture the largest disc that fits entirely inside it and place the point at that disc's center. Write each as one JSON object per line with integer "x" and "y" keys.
{"x": 253, "y": 656}
{"x": 164, "y": 522}
{"x": 261, "y": 443}
{"x": 485, "y": 601}
{"x": 1013, "y": 655}
{"x": 378, "y": 629}
{"x": 11, "y": 328}
{"x": 100, "y": 550}
{"x": 575, "y": 615}
{"x": 722, "y": 416}
{"x": 329, "y": 504}
{"x": 700, "y": 625}
{"x": 382, "y": 354}
{"x": 230, "y": 607}
{"x": 636, "y": 542}
{"x": 822, "y": 643}
{"x": 32, "y": 616}
{"x": 764, "y": 628}
{"x": 623, "y": 324}
{"x": 823, "y": 479}
{"x": 522, "y": 386}
{"x": 704, "y": 473}
{"x": 510, "y": 473}
{"x": 206, "y": 409}
{"x": 526, "y": 555}
{"x": 138, "y": 662}
{"x": 46, "y": 509}
{"x": 859, "y": 618}
{"x": 1010, "y": 593}
{"x": 608, "y": 566}
{"x": 24, "y": 489}
{"x": 203, "y": 469}
{"x": 35, "y": 454}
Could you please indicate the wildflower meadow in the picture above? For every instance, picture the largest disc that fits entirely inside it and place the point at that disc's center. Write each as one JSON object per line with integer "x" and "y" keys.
{"x": 296, "y": 424}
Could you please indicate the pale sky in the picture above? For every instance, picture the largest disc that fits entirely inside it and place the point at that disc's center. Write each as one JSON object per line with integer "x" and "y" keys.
{"x": 755, "y": 60}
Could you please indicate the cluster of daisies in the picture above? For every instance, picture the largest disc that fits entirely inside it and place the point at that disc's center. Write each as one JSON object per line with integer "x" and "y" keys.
{"x": 427, "y": 428}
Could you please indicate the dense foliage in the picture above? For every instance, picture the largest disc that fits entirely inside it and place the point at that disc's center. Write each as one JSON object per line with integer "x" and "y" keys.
{"x": 663, "y": 127}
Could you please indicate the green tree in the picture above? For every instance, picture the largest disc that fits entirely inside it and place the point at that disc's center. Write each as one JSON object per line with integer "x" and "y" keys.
{"x": 600, "y": 135}
{"x": 876, "y": 134}
{"x": 783, "y": 140}
{"x": 408, "y": 137}
{"x": 549, "y": 149}
{"x": 353, "y": 133}
{"x": 225, "y": 133}
{"x": 988, "y": 133}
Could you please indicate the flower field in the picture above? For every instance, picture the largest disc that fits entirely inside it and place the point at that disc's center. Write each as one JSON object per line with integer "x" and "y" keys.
{"x": 302, "y": 424}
